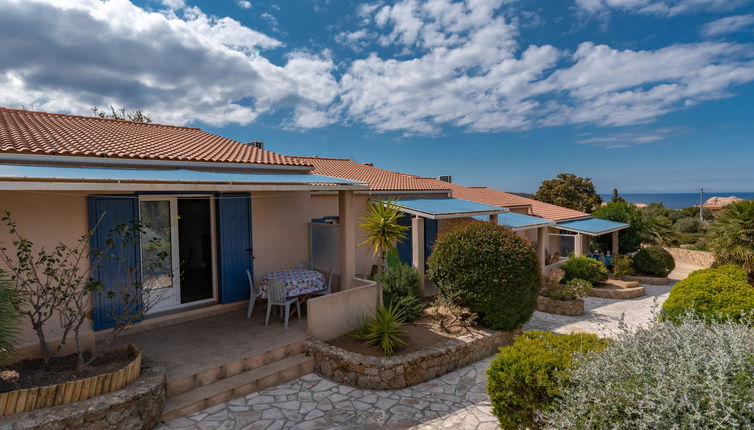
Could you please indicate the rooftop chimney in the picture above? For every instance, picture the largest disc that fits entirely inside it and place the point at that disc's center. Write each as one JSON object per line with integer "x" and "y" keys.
{"x": 369, "y": 164}
{"x": 257, "y": 144}
{"x": 445, "y": 178}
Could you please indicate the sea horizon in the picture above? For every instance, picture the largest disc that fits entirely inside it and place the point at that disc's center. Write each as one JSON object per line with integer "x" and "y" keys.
{"x": 676, "y": 200}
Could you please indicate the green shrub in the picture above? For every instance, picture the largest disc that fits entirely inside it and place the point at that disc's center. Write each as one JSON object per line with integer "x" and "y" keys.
{"x": 692, "y": 375}
{"x": 688, "y": 225}
{"x": 688, "y": 238}
{"x": 584, "y": 268}
{"x": 629, "y": 239}
{"x": 622, "y": 265}
{"x": 654, "y": 261}
{"x": 712, "y": 294}
{"x": 573, "y": 289}
{"x": 401, "y": 285}
{"x": 9, "y": 318}
{"x": 490, "y": 270}
{"x": 523, "y": 378}
{"x": 384, "y": 329}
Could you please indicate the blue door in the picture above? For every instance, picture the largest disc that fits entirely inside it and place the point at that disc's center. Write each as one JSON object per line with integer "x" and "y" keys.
{"x": 234, "y": 242}
{"x": 107, "y": 213}
{"x": 404, "y": 247}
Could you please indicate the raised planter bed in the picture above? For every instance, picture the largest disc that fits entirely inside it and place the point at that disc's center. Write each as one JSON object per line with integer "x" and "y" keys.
{"x": 614, "y": 292}
{"x": 28, "y": 399}
{"x": 648, "y": 280}
{"x": 137, "y": 406}
{"x": 574, "y": 307}
{"x": 400, "y": 371}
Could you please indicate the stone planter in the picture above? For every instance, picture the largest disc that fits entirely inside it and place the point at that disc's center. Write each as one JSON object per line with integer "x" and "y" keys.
{"x": 617, "y": 293}
{"x": 28, "y": 399}
{"x": 137, "y": 406}
{"x": 648, "y": 280}
{"x": 400, "y": 371}
{"x": 574, "y": 307}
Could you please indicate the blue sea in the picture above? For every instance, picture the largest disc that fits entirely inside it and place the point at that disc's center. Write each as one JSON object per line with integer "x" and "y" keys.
{"x": 675, "y": 200}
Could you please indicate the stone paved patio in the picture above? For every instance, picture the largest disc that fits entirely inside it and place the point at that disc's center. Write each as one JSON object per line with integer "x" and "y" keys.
{"x": 457, "y": 400}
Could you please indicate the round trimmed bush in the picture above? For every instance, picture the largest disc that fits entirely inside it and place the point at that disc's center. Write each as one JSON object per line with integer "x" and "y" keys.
{"x": 712, "y": 294}
{"x": 654, "y": 261}
{"x": 694, "y": 375}
{"x": 523, "y": 378}
{"x": 490, "y": 270}
{"x": 585, "y": 268}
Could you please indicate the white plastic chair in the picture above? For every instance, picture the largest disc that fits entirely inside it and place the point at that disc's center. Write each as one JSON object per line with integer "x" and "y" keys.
{"x": 253, "y": 294}
{"x": 328, "y": 285}
{"x": 276, "y": 296}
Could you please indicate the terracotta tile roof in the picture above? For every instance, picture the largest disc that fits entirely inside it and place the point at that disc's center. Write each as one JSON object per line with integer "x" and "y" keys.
{"x": 501, "y": 198}
{"x": 378, "y": 179}
{"x": 386, "y": 180}
{"x": 29, "y": 132}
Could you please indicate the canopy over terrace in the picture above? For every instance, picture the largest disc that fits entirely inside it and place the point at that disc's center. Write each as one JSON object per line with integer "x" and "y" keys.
{"x": 46, "y": 177}
{"x": 585, "y": 228}
{"x": 518, "y": 222}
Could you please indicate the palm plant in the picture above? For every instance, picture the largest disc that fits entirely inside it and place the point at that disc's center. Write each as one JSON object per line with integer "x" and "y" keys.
{"x": 731, "y": 236}
{"x": 659, "y": 231}
{"x": 385, "y": 329}
{"x": 380, "y": 224}
{"x": 9, "y": 318}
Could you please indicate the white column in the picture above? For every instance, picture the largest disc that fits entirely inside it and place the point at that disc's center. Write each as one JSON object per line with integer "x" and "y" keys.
{"x": 615, "y": 243}
{"x": 578, "y": 245}
{"x": 542, "y": 239}
{"x": 417, "y": 244}
{"x": 347, "y": 238}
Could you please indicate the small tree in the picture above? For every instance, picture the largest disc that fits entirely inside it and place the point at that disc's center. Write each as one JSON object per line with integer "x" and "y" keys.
{"x": 58, "y": 285}
{"x": 731, "y": 236}
{"x": 380, "y": 224}
{"x": 629, "y": 239}
{"x": 616, "y": 197}
{"x": 137, "y": 115}
{"x": 570, "y": 191}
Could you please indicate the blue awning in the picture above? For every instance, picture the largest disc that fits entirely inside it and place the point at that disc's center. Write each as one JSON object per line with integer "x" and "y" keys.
{"x": 446, "y": 208}
{"x": 517, "y": 221}
{"x": 592, "y": 226}
{"x": 13, "y": 172}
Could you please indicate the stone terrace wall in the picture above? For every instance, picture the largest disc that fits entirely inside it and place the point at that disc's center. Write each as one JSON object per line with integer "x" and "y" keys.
{"x": 137, "y": 406}
{"x": 385, "y": 373}
{"x": 695, "y": 258}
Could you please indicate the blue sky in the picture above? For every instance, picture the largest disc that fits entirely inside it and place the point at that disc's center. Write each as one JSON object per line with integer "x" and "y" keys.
{"x": 642, "y": 95}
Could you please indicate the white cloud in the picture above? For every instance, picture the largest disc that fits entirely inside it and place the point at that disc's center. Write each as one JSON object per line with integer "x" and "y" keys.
{"x": 67, "y": 55}
{"x": 174, "y": 4}
{"x": 632, "y": 137}
{"x": 244, "y": 4}
{"x": 660, "y": 7}
{"x": 729, "y": 24}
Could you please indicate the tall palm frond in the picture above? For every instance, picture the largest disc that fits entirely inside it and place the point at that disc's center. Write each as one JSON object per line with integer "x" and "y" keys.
{"x": 732, "y": 235}
{"x": 380, "y": 224}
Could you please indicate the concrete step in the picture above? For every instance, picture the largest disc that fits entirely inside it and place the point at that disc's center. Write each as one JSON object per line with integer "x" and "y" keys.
{"x": 178, "y": 386}
{"x": 238, "y": 385}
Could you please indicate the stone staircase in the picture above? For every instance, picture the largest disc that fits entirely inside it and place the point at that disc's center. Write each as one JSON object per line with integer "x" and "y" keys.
{"x": 235, "y": 379}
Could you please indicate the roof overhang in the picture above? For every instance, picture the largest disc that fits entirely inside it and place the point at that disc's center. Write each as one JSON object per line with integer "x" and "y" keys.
{"x": 591, "y": 226}
{"x": 446, "y": 208}
{"x": 518, "y": 222}
{"x": 37, "y": 177}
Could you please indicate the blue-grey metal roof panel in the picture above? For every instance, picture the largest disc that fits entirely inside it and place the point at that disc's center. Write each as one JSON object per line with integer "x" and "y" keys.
{"x": 447, "y": 208}
{"x": 592, "y": 226}
{"x": 98, "y": 174}
{"x": 516, "y": 220}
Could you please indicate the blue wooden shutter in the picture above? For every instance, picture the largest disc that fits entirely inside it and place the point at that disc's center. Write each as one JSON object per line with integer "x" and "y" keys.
{"x": 405, "y": 247}
{"x": 430, "y": 235}
{"x": 234, "y": 239}
{"x": 111, "y": 212}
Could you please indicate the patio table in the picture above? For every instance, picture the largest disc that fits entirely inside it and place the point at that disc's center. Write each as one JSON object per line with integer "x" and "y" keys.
{"x": 298, "y": 282}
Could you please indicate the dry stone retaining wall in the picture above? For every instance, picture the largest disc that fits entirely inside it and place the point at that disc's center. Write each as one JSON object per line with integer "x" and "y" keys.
{"x": 695, "y": 258}
{"x": 386, "y": 373}
{"x": 573, "y": 307}
{"x": 617, "y": 293}
{"x": 137, "y": 406}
